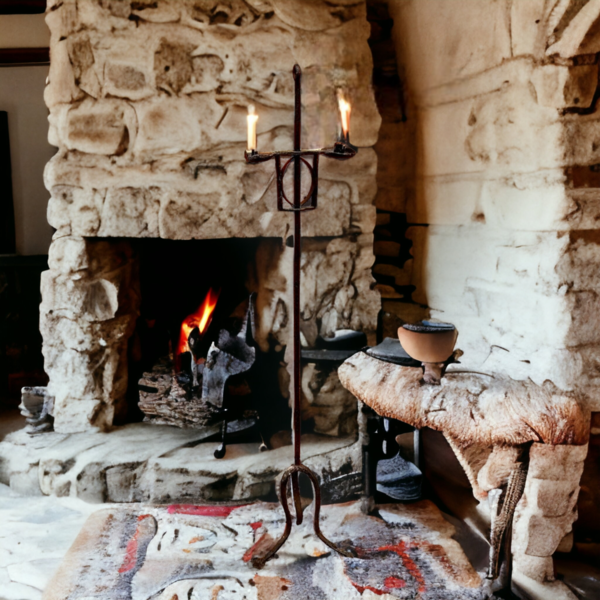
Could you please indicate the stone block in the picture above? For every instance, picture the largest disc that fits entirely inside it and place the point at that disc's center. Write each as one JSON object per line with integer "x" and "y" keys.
{"x": 75, "y": 210}
{"x": 470, "y": 136}
{"x": 557, "y": 462}
{"x": 438, "y": 39}
{"x": 489, "y": 141}
{"x": 544, "y": 534}
{"x": 169, "y": 125}
{"x": 206, "y": 72}
{"x": 131, "y": 212}
{"x": 83, "y": 62}
{"x": 61, "y": 87}
{"x": 80, "y": 299}
{"x": 68, "y": 255}
{"x": 158, "y": 12}
{"x": 363, "y": 219}
{"x": 191, "y": 216}
{"x": 527, "y": 23}
{"x": 559, "y": 86}
{"x": 324, "y": 273}
{"x": 553, "y": 498}
{"x": 358, "y": 173}
{"x": 83, "y": 336}
{"x": 529, "y": 260}
{"x": 332, "y": 218}
{"x": 585, "y": 212}
{"x": 96, "y": 127}
{"x": 303, "y": 16}
{"x": 77, "y": 414}
{"x": 124, "y": 80}
{"x": 576, "y": 266}
{"x": 330, "y": 405}
{"x": 62, "y": 20}
{"x": 525, "y": 201}
{"x": 528, "y": 201}
{"x": 173, "y": 65}
{"x": 566, "y": 544}
{"x": 538, "y": 568}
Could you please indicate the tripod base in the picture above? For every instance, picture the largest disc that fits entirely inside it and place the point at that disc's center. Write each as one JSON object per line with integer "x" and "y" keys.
{"x": 291, "y": 475}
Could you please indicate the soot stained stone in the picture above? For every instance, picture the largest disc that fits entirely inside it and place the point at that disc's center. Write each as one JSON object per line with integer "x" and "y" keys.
{"x": 173, "y": 65}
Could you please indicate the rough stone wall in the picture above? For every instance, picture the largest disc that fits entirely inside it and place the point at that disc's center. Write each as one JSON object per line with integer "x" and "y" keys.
{"x": 90, "y": 301}
{"x": 508, "y": 138}
{"x": 148, "y": 104}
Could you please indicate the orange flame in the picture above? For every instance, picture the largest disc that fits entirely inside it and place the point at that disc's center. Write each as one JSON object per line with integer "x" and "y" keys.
{"x": 200, "y": 319}
{"x": 345, "y": 110}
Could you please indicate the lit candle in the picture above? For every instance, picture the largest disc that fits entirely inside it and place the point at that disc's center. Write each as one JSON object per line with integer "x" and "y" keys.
{"x": 345, "y": 110}
{"x": 252, "y": 118}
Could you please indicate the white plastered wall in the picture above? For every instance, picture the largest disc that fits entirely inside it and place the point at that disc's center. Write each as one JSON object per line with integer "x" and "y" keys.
{"x": 510, "y": 250}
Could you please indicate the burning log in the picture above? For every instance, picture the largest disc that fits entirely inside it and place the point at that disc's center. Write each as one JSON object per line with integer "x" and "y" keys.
{"x": 189, "y": 391}
{"x": 165, "y": 401}
{"x": 235, "y": 383}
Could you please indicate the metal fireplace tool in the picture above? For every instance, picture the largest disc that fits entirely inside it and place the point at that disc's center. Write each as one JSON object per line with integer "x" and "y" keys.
{"x": 341, "y": 150}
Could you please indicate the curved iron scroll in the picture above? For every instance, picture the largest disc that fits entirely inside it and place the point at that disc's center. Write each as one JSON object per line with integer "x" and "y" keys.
{"x": 258, "y": 562}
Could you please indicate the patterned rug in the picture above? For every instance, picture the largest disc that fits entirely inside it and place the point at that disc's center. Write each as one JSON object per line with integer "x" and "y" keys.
{"x": 185, "y": 552}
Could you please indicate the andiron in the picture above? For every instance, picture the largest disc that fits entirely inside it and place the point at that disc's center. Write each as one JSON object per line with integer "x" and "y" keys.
{"x": 298, "y": 158}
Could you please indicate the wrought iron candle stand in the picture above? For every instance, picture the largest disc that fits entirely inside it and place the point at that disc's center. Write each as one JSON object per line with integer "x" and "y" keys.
{"x": 341, "y": 150}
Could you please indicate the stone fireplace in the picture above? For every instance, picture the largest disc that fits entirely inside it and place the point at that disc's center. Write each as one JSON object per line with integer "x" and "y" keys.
{"x": 147, "y": 108}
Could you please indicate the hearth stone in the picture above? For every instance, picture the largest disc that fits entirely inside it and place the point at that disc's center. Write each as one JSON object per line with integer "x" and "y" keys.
{"x": 155, "y": 463}
{"x": 186, "y": 551}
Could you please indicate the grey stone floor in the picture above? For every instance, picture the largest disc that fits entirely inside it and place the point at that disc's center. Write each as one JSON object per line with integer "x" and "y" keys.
{"x": 35, "y": 534}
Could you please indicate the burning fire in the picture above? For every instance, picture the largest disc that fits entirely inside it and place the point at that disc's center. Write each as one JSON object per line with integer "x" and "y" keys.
{"x": 200, "y": 319}
{"x": 345, "y": 110}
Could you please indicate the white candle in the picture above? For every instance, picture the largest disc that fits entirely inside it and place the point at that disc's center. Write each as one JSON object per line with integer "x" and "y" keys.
{"x": 344, "y": 115}
{"x": 252, "y": 118}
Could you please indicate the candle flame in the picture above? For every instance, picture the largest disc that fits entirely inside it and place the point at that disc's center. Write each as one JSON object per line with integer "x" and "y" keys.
{"x": 345, "y": 110}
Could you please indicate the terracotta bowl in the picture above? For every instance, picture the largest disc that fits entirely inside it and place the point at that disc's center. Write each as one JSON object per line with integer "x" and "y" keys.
{"x": 427, "y": 341}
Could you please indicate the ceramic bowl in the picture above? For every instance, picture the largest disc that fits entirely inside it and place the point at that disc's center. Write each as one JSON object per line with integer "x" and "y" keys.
{"x": 428, "y": 342}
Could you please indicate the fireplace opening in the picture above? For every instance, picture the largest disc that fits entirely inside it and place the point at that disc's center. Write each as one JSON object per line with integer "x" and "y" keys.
{"x": 194, "y": 358}
{"x": 175, "y": 277}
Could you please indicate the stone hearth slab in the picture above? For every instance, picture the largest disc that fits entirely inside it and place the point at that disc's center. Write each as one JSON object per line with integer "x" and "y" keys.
{"x": 187, "y": 552}
{"x": 161, "y": 464}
